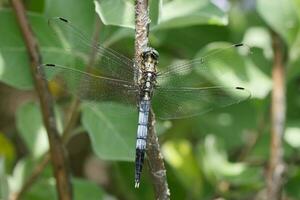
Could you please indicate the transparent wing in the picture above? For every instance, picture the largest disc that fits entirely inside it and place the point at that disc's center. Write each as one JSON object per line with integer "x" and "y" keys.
{"x": 174, "y": 103}
{"x": 108, "y": 62}
{"x": 91, "y": 87}
{"x": 187, "y": 73}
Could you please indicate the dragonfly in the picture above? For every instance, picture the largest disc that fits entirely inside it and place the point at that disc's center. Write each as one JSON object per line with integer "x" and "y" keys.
{"x": 116, "y": 78}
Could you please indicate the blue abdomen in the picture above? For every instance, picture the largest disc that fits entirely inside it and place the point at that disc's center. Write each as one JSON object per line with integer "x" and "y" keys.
{"x": 141, "y": 141}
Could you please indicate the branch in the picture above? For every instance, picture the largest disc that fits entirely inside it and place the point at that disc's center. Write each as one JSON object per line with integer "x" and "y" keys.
{"x": 141, "y": 28}
{"x": 73, "y": 116}
{"x": 156, "y": 163}
{"x": 155, "y": 159}
{"x": 276, "y": 165}
{"x": 57, "y": 151}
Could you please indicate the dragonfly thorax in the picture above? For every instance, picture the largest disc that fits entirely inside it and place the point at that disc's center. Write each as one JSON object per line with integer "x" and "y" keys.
{"x": 149, "y": 60}
{"x": 148, "y": 68}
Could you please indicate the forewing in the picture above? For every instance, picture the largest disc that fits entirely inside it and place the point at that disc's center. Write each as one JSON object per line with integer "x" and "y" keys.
{"x": 173, "y": 103}
{"x": 187, "y": 73}
{"x": 107, "y": 62}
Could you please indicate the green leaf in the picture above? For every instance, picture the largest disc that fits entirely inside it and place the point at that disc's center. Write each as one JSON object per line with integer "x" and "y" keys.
{"x": 225, "y": 66}
{"x": 215, "y": 162}
{"x": 40, "y": 189}
{"x": 13, "y": 37}
{"x": 180, "y": 156}
{"x": 122, "y": 12}
{"x": 112, "y": 134}
{"x": 228, "y": 123}
{"x": 21, "y": 170}
{"x": 155, "y": 8}
{"x": 10, "y": 66}
{"x": 185, "y": 42}
{"x": 259, "y": 37}
{"x": 178, "y": 13}
{"x": 30, "y": 126}
{"x": 84, "y": 189}
{"x": 45, "y": 189}
{"x": 173, "y": 14}
{"x": 13, "y": 57}
{"x": 118, "y": 12}
{"x": 281, "y": 16}
{"x": 292, "y": 135}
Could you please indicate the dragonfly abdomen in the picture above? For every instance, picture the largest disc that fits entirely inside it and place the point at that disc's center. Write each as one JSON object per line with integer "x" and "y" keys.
{"x": 141, "y": 141}
{"x": 147, "y": 84}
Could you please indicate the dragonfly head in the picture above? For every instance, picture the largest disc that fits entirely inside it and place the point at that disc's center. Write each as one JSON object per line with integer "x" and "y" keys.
{"x": 150, "y": 53}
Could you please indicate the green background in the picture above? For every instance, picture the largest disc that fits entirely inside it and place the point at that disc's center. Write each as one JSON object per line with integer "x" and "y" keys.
{"x": 211, "y": 155}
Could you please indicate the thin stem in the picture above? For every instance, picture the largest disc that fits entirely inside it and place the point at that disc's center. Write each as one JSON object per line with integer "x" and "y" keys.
{"x": 278, "y": 108}
{"x": 155, "y": 159}
{"x": 156, "y": 164}
{"x": 57, "y": 150}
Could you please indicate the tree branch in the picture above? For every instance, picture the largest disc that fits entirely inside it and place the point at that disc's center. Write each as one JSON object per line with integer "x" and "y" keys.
{"x": 156, "y": 163}
{"x": 276, "y": 165}
{"x": 57, "y": 151}
{"x": 73, "y": 116}
{"x": 154, "y": 156}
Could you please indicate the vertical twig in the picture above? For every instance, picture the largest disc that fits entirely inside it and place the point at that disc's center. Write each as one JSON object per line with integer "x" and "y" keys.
{"x": 155, "y": 159}
{"x": 142, "y": 21}
{"x": 57, "y": 151}
{"x": 276, "y": 165}
{"x": 156, "y": 163}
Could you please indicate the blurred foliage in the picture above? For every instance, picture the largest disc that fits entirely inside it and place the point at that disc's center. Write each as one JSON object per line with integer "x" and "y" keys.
{"x": 220, "y": 154}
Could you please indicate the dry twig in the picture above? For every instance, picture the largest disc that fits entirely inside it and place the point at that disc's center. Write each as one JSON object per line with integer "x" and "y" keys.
{"x": 57, "y": 151}
{"x": 276, "y": 165}
{"x": 154, "y": 156}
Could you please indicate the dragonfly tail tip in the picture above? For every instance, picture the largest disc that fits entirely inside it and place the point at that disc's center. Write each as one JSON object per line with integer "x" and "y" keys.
{"x": 137, "y": 184}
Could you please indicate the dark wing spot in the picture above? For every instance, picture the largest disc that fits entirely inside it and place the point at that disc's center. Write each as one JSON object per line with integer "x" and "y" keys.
{"x": 50, "y": 65}
{"x": 239, "y": 88}
{"x": 239, "y": 45}
{"x": 62, "y": 19}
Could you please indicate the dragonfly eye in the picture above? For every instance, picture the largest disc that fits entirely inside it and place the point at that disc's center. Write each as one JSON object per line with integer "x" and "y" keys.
{"x": 150, "y": 52}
